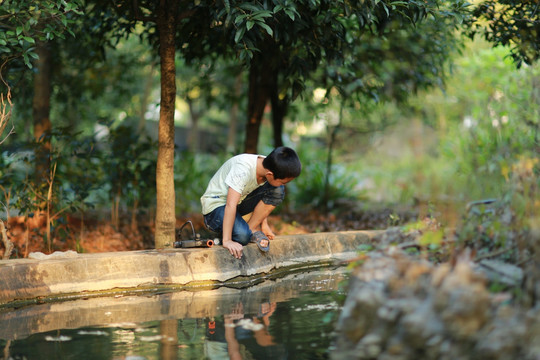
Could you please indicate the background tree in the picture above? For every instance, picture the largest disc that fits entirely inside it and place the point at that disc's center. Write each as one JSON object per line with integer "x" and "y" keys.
{"x": 283, "y": 43}
{"x": 516, "y": 24}
{"x": 512, "y": 23}
{"x": 212, "y": 91}
{"x": 391, "y": 64}
{"x": 55, "y": 92}
{"x": 25, "y": 28}
{"x": 160, "y": 20}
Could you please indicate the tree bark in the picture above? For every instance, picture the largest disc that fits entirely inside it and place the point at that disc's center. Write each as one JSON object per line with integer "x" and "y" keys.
{"x": 233, "y": 123}
{"x": 41, "y": 106}
{"x": 7, "y": 243}
{"x": 165, "y": 209}
{"x": 259, "y": 81}
{"x": 168, "y": 347}
{"x": 279, "y": 111}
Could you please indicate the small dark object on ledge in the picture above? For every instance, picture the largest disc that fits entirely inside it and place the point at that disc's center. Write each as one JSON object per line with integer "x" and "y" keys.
{"x": 193, "y": 241}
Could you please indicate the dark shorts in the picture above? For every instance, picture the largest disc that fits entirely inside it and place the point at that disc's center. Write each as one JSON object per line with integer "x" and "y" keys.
{"x": 241, "y": 233}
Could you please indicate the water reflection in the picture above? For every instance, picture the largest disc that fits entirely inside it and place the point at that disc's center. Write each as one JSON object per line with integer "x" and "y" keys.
{"x": 287, "y": 318}
{"x": 243, "y": 336}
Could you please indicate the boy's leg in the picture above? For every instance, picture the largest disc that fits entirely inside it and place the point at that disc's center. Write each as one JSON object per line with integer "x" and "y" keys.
{"x": 241, "y": 232}
{"x": 258, "y": 220}
{"x": 267, "y": 193}
{"x": 261, "y": 203}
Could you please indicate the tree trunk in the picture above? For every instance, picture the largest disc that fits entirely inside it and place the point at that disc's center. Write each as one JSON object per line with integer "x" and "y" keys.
{"x": 233, "y": 123}
{"x": 41, "y": 111}
{"x": 279, "y": 111}
{"x": 165, "y": 209}
{"x": 259, "y": 74}
{"x": 168, "y": 347}
{"x": 7, "y": 243}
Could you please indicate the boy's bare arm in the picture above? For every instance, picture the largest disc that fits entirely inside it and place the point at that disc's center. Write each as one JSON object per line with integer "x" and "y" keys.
{"x": 233, "y": 198}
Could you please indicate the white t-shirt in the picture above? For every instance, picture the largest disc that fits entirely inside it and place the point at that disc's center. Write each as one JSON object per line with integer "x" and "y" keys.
{"x": 238, "y": 173}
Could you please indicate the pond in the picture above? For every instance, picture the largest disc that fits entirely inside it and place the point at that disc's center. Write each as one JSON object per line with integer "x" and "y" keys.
{"x": 287, "y": 318}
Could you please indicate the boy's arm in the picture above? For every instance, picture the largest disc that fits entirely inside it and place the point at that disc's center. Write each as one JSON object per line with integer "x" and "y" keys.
{"x": 233, "y": 198}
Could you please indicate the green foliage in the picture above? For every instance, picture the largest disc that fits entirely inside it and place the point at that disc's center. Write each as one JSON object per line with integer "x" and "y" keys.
{"x": 87, "y": 91}
{"x": 76, "y": 176}
{"x": 291, "y": 40}
{"x": 68, "y": 191}
{"x": 499, "y": 121}
{"x": 490, "y": 125}
{"x": 88, "y": 175}
{"x": 483, "y": 228}
{"x": 192, "y": 174}
{"x": 472, "y": 135}
{"x": 479, "y": 141}
{"x": 513, "y": 23}
{"x": 307, "y": 191}
{"x": 25, "y": 22}
{"x": 129, "y": 165}
{"x": 395, "y": 61}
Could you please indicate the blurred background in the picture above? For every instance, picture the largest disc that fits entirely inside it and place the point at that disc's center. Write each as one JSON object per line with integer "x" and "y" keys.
{"x": 406, "y": 124}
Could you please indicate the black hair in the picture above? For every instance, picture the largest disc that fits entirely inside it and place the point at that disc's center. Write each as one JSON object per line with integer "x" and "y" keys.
{"x": 283, "y": 162}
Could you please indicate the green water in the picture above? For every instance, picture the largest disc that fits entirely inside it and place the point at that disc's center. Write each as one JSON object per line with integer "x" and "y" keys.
{"x": 291, "y": 318}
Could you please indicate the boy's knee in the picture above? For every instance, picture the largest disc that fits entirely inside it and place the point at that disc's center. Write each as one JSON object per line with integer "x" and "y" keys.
{"x": 275, "y": 196}
{"x": 242, "y": 237}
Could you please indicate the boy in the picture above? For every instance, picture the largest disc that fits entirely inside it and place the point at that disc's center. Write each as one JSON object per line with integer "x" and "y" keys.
{"x": 248, "y": 183}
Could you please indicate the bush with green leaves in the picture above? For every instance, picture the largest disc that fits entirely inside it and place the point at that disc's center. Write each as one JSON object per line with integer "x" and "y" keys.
{"x": 499, "y": 127}
{"x": 192, "y": 173}
{"x": 488, "y": 129}
{"x": 129, "y": 164}
{"x": 308, "y": 190}
{"x": 74, "y": 176}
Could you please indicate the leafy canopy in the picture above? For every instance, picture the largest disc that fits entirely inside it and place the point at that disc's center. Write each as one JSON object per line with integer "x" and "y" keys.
{"x": 23, "y": 22}
{"x": 514, "y": 23}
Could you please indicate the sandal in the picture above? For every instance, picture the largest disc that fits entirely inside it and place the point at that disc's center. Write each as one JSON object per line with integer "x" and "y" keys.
{"x": 257, "y": 237}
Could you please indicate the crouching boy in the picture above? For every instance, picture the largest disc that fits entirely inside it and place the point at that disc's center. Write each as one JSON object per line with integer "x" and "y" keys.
{"x": 248, "y": 183}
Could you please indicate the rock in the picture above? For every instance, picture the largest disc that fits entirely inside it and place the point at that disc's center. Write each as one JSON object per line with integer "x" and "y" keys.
{"x": 422, "y": 327}
{"x": 503, "y": 336}
{"x": 54, "y": 255}
{"x": 401, "y": 308}
{"x": 501, "y": 272}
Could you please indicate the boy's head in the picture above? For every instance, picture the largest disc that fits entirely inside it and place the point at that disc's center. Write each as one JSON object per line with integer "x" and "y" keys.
{"x": 283, "y": 162}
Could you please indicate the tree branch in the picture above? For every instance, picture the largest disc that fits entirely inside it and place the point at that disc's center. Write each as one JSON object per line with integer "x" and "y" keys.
{"x": 138, "y": 15}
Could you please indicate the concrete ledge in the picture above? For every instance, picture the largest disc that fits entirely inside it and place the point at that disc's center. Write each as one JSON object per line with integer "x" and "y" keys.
{"x": 28, "y": 280}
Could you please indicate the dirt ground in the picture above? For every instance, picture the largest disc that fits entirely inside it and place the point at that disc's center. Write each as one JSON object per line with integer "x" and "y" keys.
{"x": 94, "y": 236}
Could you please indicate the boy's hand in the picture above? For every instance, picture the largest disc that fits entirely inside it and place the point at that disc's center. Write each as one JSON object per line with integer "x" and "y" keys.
{"x": 234, "y": 248}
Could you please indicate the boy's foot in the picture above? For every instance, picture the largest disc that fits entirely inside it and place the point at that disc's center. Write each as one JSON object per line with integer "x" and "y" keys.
{"x": 258, "y": 237}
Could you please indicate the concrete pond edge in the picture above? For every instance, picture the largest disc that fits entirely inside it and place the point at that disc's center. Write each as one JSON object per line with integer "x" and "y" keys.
{"x": 58, "y": 278}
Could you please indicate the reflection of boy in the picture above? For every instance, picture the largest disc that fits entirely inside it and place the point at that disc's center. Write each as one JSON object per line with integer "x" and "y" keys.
{"x": 222, "y": 342}
{"x": 242, "y": 336}
{"x": 244, "y": 184}
{"x": 262, "y": 336}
